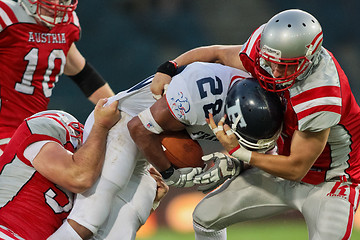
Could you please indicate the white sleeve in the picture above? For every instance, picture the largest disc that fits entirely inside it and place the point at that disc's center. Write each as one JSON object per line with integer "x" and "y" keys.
{"x": 179, "y": 101}
{"x": 33, "y": 149}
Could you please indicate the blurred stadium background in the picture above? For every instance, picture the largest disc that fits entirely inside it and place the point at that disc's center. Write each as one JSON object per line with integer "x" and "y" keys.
{"x": 127, "y": 39}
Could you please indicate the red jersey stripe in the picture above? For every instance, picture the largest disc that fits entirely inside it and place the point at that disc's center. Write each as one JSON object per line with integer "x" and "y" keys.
{"x": 352, "y": 196}
{"x": 319, "y": 92}
{"x": 321, "y": 108}
{"x": 7, "y": 15}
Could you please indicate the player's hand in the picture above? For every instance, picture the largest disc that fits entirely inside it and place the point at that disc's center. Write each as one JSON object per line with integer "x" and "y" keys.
{"x": 162, "y": 188}
{"x": 183, "y": 177}
{"x": 228, "y": 139}
{"x": 159, "y": 85}
{"x": 223, "y": 167}
{"x": 106, "y": 115}
{"x": 223, "y": 133}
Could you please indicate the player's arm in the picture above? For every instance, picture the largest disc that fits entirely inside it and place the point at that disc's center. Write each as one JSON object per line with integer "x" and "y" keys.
{"x": 86, "y": 77}
{"x": 77, "y": 172}
{"x": 148, "y": 141}
{"x": 306, "y": 147}
{"x": 157, "y": 119}
{"x": 225, "y": 54}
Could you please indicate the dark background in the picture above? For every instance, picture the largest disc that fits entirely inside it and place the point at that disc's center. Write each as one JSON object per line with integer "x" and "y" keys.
{"x": 127, "y": 39}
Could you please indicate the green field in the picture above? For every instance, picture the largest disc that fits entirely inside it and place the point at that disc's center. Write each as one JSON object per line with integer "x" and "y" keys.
{"x": 278, "y": 230}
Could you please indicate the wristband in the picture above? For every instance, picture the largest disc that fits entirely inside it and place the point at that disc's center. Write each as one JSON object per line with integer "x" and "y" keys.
{"x": 88, "y": 80}
{"x": 234, "y": 149}
{"x": 149, "y": 122}
{"x": 241, "y": 154}
{"x": 168, "y": 68}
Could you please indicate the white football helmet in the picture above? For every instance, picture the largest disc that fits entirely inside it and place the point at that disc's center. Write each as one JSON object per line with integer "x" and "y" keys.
{"x": 50, "y": 12}
{"x": 290, "y": 38}
{"x": 74, "y": 129}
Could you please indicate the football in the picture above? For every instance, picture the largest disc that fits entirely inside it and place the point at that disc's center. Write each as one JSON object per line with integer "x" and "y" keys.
{"x": 181, "y": 150}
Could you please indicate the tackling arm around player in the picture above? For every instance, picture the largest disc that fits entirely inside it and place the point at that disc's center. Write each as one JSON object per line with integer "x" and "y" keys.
{"x": 41, "y": 170}
{"x": 77, "y": 172}
{"x": 306, "y": 147}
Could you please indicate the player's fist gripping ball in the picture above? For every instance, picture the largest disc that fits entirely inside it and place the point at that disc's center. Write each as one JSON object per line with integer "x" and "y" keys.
{"x": 181, "y": 150}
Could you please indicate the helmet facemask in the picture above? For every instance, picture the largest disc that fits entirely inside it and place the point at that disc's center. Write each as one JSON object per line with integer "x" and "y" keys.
{"x": 49, "y": 12}
{"x": 75, "y": 130}
{"x": 266, "y": 56}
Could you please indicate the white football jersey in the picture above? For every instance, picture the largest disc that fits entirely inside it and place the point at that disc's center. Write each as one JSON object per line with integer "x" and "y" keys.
{"x": 200, "y": 89}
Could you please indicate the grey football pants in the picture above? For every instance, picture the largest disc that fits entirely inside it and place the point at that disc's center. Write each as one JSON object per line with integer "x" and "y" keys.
{"x": 328, "y": 208}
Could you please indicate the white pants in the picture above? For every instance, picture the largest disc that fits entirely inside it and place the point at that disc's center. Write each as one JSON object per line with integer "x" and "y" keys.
{"x": 121, "y": 200}
{"x": 328, "y": 208}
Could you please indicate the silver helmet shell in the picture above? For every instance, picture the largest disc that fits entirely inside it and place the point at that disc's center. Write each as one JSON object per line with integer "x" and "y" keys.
{"x": 290, "y": 38}
{"x": 73, "y": 128}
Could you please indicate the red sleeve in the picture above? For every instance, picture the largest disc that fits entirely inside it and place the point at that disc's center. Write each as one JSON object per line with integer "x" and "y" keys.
{"x": 248, "y": 52}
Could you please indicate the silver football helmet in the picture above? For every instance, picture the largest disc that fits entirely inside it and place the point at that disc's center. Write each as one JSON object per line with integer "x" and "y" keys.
{"x": 50, "y": 12}
{"x": 74, "y": 129}
{"x": 290, "y": 38}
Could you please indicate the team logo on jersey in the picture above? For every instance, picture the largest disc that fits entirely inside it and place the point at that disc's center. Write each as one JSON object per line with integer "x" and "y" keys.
{"x": 180, "y": 106}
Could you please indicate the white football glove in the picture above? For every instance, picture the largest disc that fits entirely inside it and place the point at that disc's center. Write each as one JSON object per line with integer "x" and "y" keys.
{"x": 224, "y": 167}
{"x": 183, "y": 177}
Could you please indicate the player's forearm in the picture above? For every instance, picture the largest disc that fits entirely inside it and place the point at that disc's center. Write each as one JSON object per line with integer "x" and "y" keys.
{"x": 90, "y": 157}
{"x": 201, "y": 54}
{"x": 281, "y": 166}
{"x": 103, "y": 92}
{"x": 149, "y": 144}
{"x": 225, "y": 54}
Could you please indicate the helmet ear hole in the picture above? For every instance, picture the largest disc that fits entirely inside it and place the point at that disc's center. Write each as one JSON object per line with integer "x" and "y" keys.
{"x": 255, "y": 114}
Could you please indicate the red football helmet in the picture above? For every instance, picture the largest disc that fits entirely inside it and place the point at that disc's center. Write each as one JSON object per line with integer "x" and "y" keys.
{"x": 50, "y": 12}
{"x": 291, "y": 40}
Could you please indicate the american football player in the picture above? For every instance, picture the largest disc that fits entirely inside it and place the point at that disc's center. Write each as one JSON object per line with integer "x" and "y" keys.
{"x": 43, "y": 166}
{"x": 317, "y": 170}
{"x": 125, "y": 185}
{"x": 37, "y": 46}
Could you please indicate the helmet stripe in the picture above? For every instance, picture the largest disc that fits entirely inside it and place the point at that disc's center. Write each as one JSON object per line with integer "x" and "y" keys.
{"x": 317, "y": 41}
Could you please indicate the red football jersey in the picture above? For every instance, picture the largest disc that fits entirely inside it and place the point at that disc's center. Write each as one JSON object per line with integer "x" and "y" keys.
{"x": 322, "y": 100}
{"x": 32, "y": 59}
{"x": 30, "y": 205}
